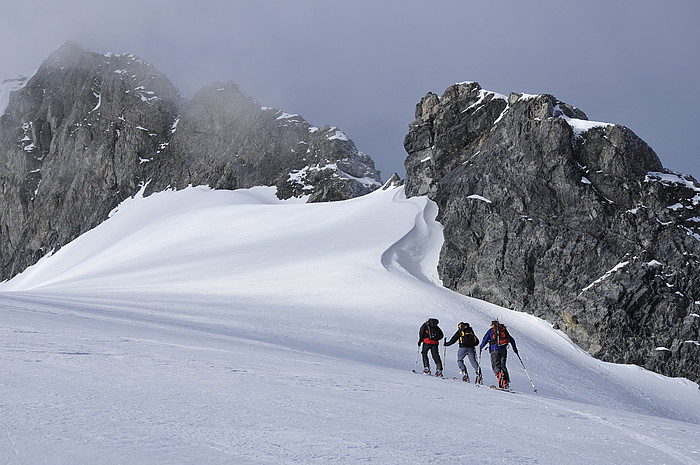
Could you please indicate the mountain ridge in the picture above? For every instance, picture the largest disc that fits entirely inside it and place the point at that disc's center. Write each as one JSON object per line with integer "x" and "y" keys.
{"x": 544, "y": 211}
{"x": 88, "y": 130}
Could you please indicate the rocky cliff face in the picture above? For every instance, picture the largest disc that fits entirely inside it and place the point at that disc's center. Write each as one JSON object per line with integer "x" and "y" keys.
{"x": 89, "y": 130}
{"x": 573, "y": 221}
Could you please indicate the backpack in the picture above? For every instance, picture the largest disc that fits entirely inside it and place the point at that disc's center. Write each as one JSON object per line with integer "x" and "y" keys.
{"x": 433, "y": 330}
{"x": 499, "y": 335}
{"x": 467, "y": 336}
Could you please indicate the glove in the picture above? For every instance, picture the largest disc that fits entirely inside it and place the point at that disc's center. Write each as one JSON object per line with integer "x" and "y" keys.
{"x": 419, "y": 343}
{"x": 516, "y": 352}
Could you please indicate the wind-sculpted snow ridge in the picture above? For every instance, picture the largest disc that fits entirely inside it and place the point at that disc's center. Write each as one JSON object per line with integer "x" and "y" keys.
{"x": 217, "y": 327}
{"x": 418, "y": 251}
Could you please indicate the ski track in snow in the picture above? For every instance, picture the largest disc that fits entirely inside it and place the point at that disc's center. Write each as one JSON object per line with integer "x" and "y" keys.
{"x": 209, "y": 327}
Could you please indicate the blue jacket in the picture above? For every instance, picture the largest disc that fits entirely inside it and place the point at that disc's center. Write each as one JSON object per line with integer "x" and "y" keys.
{"x": 494, "y": 347}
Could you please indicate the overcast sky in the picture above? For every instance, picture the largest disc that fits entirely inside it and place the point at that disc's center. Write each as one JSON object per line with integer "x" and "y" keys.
{"x": 362, "y": 65}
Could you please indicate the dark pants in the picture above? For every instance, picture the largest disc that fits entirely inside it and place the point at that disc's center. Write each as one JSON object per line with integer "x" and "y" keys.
{"x": 498, "y": 363}
{"x": 433, "y": 349}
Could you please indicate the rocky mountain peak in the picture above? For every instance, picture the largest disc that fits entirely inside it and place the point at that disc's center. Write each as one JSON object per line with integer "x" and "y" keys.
{"x": 89, "y": 130}
{"x": 572, "y": 220}
{"x": 68, "y": 54}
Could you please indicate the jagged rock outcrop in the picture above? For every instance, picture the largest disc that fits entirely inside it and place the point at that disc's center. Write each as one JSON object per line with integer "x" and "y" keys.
{"x": 89, "y": 130}
{"x": 573, "y": 221}
{"x": 394, "y": 181}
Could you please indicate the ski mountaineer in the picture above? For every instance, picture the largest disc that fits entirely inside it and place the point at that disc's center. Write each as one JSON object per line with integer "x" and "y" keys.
{"x": 498, "y": 339}
{"x": 429, "y": 335}
{"x": 467, "y": 347}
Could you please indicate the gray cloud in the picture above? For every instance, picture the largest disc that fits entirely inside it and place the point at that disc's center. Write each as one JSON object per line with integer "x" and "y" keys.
{"x": 363, "y": 65}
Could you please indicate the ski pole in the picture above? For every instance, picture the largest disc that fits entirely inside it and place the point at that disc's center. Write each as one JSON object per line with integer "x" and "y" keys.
{"x": 528, "y": 374}
{"x": 479, "y": 378}
{"x": 415, "y": 367}
{"x": 444, "y": 356}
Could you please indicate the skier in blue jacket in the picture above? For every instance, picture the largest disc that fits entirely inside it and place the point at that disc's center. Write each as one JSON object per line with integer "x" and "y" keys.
{"x": 498, "y": 339}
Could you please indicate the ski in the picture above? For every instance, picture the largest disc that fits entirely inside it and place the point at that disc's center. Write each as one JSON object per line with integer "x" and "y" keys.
{"x": 493, "y": 386}
{"x": 429, "y": 375}
{"x": 455, "y": 378}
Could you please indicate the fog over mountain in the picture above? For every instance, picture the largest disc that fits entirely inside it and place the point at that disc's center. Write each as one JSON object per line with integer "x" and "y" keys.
{"x": 361, "y": 65}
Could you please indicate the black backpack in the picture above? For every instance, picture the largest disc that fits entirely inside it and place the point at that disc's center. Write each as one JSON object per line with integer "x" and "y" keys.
{"x": 433, "y": 330}
{"x": 467, "y": 336}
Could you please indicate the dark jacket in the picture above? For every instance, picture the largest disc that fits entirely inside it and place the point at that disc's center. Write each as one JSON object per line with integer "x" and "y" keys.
{"x": 424, "y": 334}
{"x": 493, "y": 347}
{"x": 463, "y": 343}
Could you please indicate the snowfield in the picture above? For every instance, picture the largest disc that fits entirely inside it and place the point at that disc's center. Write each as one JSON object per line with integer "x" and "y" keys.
{"x": 228, "y": 327}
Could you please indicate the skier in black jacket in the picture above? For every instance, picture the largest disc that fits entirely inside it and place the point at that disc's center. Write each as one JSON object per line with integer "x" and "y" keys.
{"x": 467, "y": 343}
{"x": 429, "y": 335}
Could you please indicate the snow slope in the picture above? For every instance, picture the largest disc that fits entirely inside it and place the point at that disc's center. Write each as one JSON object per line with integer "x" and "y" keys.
{"x": 220, "y": 327}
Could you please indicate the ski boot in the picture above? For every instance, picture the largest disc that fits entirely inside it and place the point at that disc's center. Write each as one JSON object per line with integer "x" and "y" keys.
{"x": 426, "y": 371}
{"x": 503, "y": 382}
{"x": 438, "y": 373}
{"x": 465, "y": 376}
